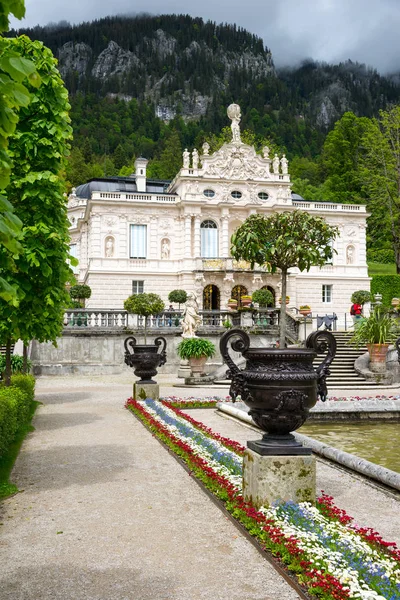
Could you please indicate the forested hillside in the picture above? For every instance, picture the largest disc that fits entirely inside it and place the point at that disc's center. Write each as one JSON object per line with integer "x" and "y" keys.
{"x": 153, "y": 86}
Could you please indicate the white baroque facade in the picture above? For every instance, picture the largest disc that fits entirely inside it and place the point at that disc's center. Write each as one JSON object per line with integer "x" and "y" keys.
{"x": 134, "y": 234}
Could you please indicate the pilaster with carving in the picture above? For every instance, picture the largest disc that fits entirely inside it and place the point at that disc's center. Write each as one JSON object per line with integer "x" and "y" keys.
{"x": 224, "y": 236}
{"x": 188, "y": 236}
{"x": 197, "y": 236}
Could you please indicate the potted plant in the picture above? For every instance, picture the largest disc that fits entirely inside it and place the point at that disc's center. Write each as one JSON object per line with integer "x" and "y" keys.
{"x": 245, "y": 300}
{"x": 232, "y": 304}
{"x": 196, "y": 351}
{"x": 263, "y": 298}
{"x": 305, "y": 310}
{"x": 179, "y": 296}
{"x": 376, "y": 332}
{"x": 145, "y": 358}
{"x": 287, "y": 299}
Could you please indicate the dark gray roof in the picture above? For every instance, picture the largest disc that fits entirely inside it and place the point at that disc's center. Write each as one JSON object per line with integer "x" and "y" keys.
{"x": 297, "y": 197}
{"x": 119, "y": 184}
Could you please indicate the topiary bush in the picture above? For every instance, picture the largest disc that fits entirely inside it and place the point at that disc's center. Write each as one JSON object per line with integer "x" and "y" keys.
{"x": 14, "y": 411}
{"x": 385, "y": 256}
{"x": 26, "y": 383}
{"x": 361, "y": 297}
{"x": 263, "y": 297}
{"x": 387, "y": 285}
{"x": 80, "y": 293}
{"x": 179, "y": 296}
{"x": 144, "y": 305}
{"x": 195, "y": 348}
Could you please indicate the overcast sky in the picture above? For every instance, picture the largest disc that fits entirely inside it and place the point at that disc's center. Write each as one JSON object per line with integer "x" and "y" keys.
{"x": 331, "y": 30}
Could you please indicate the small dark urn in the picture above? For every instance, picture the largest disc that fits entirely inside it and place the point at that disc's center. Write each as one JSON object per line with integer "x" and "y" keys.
{"x": 279, "y": 386}
{"x": 145, "y": 358}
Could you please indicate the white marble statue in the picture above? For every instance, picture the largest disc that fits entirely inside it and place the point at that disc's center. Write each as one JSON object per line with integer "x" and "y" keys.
{"x": 191, "y": 318}
{"x": 109, "y": 250}
{"x": 165, "y": 249}
{"x": 275, "y": 164}
{"x": 235, "y": 116}
{"x": 266, "y": 152}
{"x": 186, "y": 158}
{"x": 195, "y": 159}
{"x": 350, "y": 255}
{"x": 284, "y": 165}
{"x": 206, "y": 148}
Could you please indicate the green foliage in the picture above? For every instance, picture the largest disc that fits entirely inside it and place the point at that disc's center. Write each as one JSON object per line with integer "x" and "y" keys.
{"x": 361, "y": 297}
{"x": 263, "y": 297}
{"x": 378, "y": 328}
{"x": 195, "y": 348}
{"x": 179, "y": 296}
{"x": 386, "y": 285}
{"x": 381, "y": 269}
{"x": 39, "y": 146}
{"x": 14, "y": 410}
{"x": 17, "y": 363}
{"x": 26, "y": 383}
{"x": 80, "y": 291}
{"x": 284, "y": 240}
{"x": 144, "y": 304}
{"x": 384, "y": 256}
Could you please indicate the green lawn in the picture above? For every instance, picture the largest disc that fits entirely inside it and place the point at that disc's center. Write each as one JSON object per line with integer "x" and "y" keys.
{"x": 381, "y": 269}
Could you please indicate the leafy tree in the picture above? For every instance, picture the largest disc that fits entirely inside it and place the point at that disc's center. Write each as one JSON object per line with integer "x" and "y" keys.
{"x": 179, "y": 296}
{"x": 144, "y": 305}
{"x": 381, "y": 174}
{"x": 80, "y": 293}
{"x": 38, "y": 147}
{"x": 284, "y": 240}
{"x": 263, "y": 297}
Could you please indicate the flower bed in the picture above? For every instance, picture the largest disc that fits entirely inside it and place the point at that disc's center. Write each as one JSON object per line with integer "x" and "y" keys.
{"x": 192, "y": 402}
{"x": 331, "y": 556}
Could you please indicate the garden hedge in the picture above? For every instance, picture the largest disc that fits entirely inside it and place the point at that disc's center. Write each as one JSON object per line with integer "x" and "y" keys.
{"x": 387, "y": 285}
{"x": 15, "y": 408}
{"x": 385, "y": 256}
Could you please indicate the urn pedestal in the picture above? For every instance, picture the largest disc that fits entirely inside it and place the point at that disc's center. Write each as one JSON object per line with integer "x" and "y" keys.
{"x": 145, "y": 359}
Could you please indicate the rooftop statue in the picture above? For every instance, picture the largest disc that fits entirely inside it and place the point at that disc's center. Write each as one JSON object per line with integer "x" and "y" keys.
{"x": 235, "y": 116}
{"x": 186, "y": 158}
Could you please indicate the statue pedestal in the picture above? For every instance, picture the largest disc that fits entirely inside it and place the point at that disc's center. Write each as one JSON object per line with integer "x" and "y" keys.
{"x": 152, "y": 390}
{"x": 268, "y": 479}
{"x": 184, "y": 370}
{"x": 246, "y": 319}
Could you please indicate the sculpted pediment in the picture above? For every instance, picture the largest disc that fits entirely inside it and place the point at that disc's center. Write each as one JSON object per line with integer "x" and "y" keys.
{"x": 236, "y": 161}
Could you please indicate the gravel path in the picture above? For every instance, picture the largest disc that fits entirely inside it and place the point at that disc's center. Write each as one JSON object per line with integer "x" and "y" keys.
{"x": 107, "y": 514}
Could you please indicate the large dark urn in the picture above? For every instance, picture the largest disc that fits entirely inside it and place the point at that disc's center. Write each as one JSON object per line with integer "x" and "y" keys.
{"x": 279, "y": 386}
{"x": 145, "y": 358}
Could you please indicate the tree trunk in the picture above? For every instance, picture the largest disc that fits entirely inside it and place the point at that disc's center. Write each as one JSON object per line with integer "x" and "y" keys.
{"x": 7, "y": 372}
{"x": 397, "y": 258}
{"x": 25, "y": 359}
{"x": 282, "y": 317}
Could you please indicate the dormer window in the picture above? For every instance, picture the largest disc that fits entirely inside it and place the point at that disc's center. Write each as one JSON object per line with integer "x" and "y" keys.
{"x": 209, "y": 193}
{"x": 236, "y": 194}
{"x": 263, "y": 196}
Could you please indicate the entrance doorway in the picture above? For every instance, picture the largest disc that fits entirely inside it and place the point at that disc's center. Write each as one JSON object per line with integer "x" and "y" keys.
{"x": 211, "y": 297}
{"x": 237, "y": 292}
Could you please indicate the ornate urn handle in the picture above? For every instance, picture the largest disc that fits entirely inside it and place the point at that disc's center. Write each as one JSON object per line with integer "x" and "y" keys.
{"x": 241, "y": 344}
{"x": 321, "y": 342}
{"x": 163, "y": 354}
{"x": 129, "y": 344}
{"x": 397, "y": 344}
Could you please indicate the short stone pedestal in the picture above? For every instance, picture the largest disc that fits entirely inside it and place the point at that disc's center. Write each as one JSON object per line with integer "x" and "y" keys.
{"x": 246, "y": 318}
{"x": 184, "y": 370}
{"x": 268, "y": 479}
{"x": 146, "y": 390}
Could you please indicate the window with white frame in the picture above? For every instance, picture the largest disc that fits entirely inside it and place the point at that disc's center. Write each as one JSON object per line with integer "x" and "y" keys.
{"x": 73, "y": 250}
{"x": 209, "y": 239}
{"x": 327, "y": 294}
{"x": 137, "y": 287}
{"x": 138, "y": 245}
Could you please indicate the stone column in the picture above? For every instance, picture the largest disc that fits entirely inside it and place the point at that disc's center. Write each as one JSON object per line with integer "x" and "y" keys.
{"x": 225, "y": 236}
{"x": 197, "y": 237}
{"x": 188, "y": 236}
{"x": 95, "y": 236}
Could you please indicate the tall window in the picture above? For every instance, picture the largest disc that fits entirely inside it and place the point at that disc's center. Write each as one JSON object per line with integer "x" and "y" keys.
{"x": 327, "y": 293}
{"x": 73, "y": 250}
{"x": 137, "y": 287}
{"x": 138, "y": 241}
{"x": 209, "y": 239}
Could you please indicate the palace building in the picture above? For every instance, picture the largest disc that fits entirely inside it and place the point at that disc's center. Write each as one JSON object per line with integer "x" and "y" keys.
{"x": 134, "y": 234}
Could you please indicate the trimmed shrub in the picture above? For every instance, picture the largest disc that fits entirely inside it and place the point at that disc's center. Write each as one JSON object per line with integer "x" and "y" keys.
{"x": 178, "y": 296}
{"x": 387, "y": 285}
{"x": 17, "y": 363}
{"x": 385, "y": 256}
{"x": 26, "y": 383}
{"x": 15, "y": 408}
{"x": 263, "y": 297}
{"x": 361, "y": 297}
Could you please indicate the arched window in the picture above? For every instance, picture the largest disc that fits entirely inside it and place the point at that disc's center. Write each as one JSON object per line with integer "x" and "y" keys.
{"x": 209, "y": 239}
{"x": 237, "y": 292}
{"x": 211, "y": 297}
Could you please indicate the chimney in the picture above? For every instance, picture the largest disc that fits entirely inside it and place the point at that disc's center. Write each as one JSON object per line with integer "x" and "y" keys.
{"x": 140, "y": 173}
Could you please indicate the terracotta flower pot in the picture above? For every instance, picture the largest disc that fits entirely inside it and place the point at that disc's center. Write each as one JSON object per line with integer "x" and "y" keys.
{"x": 197, "y": 365}
{"x": 377, "y": 357}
